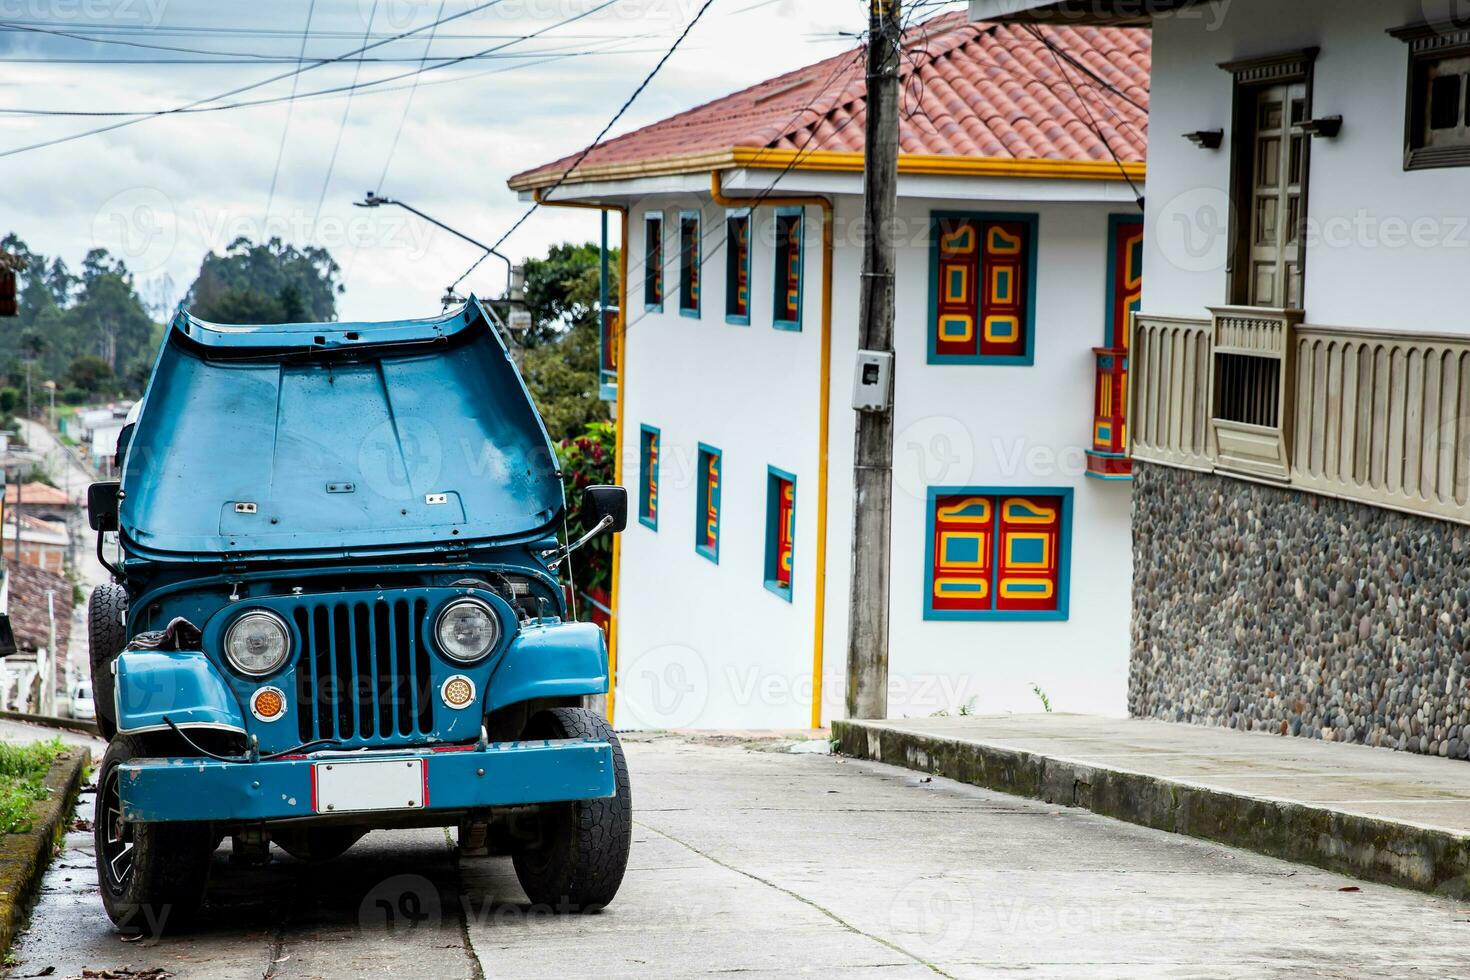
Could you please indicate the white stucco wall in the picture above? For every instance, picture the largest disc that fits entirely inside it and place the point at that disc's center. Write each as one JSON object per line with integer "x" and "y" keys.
{"x": 1389, "y": 248}
{"x": 705, "y": 645}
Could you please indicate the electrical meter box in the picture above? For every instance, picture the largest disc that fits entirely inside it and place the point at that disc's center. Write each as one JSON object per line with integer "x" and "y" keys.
{"x": 872, "y": 382}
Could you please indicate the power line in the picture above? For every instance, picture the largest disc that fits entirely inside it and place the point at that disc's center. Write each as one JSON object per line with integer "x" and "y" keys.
{"x": 535, "y": 60}
{"x": 342, "y": 126}
{"x": 198, "y": 107}
{"x": 243, "y": 88}
{"x": 281, "y": 150}
{"x": 407, "y": 103}
{"x": 583, "y": 155}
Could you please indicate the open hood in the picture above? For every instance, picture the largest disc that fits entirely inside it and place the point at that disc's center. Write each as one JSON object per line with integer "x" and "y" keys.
{"x": 310, "y": 438}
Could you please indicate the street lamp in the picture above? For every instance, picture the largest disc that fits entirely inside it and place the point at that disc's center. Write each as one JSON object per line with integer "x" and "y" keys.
{"x": 374, "y": 200}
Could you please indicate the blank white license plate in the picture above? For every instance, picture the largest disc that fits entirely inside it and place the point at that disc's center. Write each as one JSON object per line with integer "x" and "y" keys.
{"x": 386, "y": 784}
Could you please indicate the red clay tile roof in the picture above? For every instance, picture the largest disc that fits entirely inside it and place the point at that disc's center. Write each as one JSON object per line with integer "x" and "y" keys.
{"x": 970, "y": 89}
{"x": 29, "y": 613}
{"x": 39, "y": 494}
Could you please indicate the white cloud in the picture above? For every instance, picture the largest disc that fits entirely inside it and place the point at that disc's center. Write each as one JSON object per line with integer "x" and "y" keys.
{"x": 160, "y": 192}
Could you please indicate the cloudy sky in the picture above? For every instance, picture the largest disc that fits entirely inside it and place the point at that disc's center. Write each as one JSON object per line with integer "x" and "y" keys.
{"x": 161, "y": 191}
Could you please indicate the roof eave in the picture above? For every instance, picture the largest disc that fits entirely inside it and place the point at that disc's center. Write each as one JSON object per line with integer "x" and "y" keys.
{"x": 835, "y": 161}
{"x": 1076, "y": 13}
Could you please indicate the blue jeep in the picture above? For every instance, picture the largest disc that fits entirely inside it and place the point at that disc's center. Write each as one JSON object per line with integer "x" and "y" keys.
{"x": 336, "y": 609}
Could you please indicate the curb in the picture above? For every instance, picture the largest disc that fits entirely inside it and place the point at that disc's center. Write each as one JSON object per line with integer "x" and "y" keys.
{"x": 51, "y": 721}
{"x": 1403, "y": 854}
{"x": 25, "y": 856}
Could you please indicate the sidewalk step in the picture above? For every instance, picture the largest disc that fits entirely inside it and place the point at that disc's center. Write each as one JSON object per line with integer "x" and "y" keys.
{"x": 1371, "y": 813}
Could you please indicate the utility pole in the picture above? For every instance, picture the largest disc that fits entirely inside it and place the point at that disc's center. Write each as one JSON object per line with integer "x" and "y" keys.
{"x": 867, "y": 630}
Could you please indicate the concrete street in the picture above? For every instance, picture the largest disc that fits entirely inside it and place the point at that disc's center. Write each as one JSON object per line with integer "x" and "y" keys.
{"x": 770, "y": 863}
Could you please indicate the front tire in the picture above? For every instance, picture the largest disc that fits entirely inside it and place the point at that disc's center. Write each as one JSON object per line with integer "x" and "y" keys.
{"x": 581, "y": 852}
{"x": 152, "y": 876}
{"x": 106, "y": 637}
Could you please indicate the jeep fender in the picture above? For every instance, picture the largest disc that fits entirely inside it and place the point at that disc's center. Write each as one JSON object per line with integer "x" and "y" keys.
{"x": 182, "y": 685}
{"x": 561, "y": 660}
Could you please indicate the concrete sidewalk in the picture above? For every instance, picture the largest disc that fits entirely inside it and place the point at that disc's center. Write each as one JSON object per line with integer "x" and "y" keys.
{"x": 1386, "y": 816}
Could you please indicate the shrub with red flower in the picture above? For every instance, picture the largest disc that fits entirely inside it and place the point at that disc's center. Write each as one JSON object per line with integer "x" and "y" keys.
{"x": 587, "y": 461}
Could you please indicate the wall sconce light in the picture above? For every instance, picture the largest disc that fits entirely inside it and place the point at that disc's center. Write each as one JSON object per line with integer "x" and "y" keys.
{"x": 1207, "y": 139}
{"x": 1327, "y": 127}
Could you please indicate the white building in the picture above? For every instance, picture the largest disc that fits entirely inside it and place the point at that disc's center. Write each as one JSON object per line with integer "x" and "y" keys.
{"x": 1019, "y": 233}
{"x": 1302, "y": 367}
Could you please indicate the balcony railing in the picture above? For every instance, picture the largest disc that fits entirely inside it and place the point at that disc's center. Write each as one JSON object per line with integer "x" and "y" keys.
{"x": 1373, "y": 416}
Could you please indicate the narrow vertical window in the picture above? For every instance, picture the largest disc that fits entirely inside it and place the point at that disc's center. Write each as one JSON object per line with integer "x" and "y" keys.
{"x": 998, "y": 553}
{"x": 737, "y": 268}
{"x": 788, "y": 268}
{"x": 780, "y": 531}
{"x": 707, "y": 509}
{"x": 1107, "y": 457}
{"x": 689, "y": 263}
{"x": 648, "y": 453}
{"x": 982, "y": 291}
{"x": 653, "y": 263}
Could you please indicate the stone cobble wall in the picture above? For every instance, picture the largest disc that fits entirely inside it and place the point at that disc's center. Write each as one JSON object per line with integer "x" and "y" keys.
{"x": 1265, "y": 609}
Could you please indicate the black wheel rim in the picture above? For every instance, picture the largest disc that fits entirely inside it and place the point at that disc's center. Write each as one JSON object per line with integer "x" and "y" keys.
{"x": 116, "y": 841}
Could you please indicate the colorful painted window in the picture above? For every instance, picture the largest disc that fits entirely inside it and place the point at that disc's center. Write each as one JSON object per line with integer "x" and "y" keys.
{"x": 983, "y": 289}
{"x": 1107, "y": 456}
{"x": 780, "y": 531}
{"x": 707, "y": 506}
{"x": 737, "y": 268}
{"x": 998, "y": 553}
{"x": 653, "y": 262}
{"x": 788, "y": 268}
{"x": 689, "y": 263}
{"x": 649, "y": 447}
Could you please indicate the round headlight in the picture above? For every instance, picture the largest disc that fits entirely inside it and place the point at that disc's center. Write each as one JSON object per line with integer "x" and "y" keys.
{"x": 467, "y": 630}
{"x": 258, "y": 643}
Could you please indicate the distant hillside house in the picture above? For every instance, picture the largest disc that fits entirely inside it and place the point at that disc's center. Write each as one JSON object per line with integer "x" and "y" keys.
{"x": 1018, "y": 266}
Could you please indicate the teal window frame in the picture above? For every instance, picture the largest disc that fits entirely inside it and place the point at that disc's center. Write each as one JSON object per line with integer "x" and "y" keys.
{"x": 689, "y": 262}
{"x": 773, "y": 515}
{"x": 645, "y": 485}
{"x": 702, "y": 502}
{"x": 777, "y": 299}
{"x": 731, "y": 267}
{"x": 650, "y": 270}
{"x": 1064, "y": 558}
{"x": 1032, "y": 221}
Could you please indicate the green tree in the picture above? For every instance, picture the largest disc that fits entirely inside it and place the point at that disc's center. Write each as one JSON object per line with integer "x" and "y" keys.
{"x": 271, "y": 282}
{"x": 562, "y": 357}
{"x": 90, "y": 374}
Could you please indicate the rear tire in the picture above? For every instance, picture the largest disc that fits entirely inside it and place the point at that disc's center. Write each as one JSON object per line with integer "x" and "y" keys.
{"x": 106, "y": 637}
{"x": 581, "y": 853}
{"x": 152, "y": 876}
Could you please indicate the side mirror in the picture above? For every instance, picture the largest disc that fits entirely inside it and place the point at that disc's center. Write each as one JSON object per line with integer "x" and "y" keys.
{"x": 124, "y": 439}
{"x": 599, "y": 503}
{"x": 102, "y": 503}
{"x": 7, "y": 636}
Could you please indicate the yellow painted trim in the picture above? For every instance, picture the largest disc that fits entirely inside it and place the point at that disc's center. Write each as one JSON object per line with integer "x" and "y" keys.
{"x": 839, "y": 161}
{"x": 824, "y": 418}
{"x": 618, "y": 430}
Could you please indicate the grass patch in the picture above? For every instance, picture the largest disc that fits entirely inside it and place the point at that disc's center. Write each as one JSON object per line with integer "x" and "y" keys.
{"x": 23, "y": 770}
